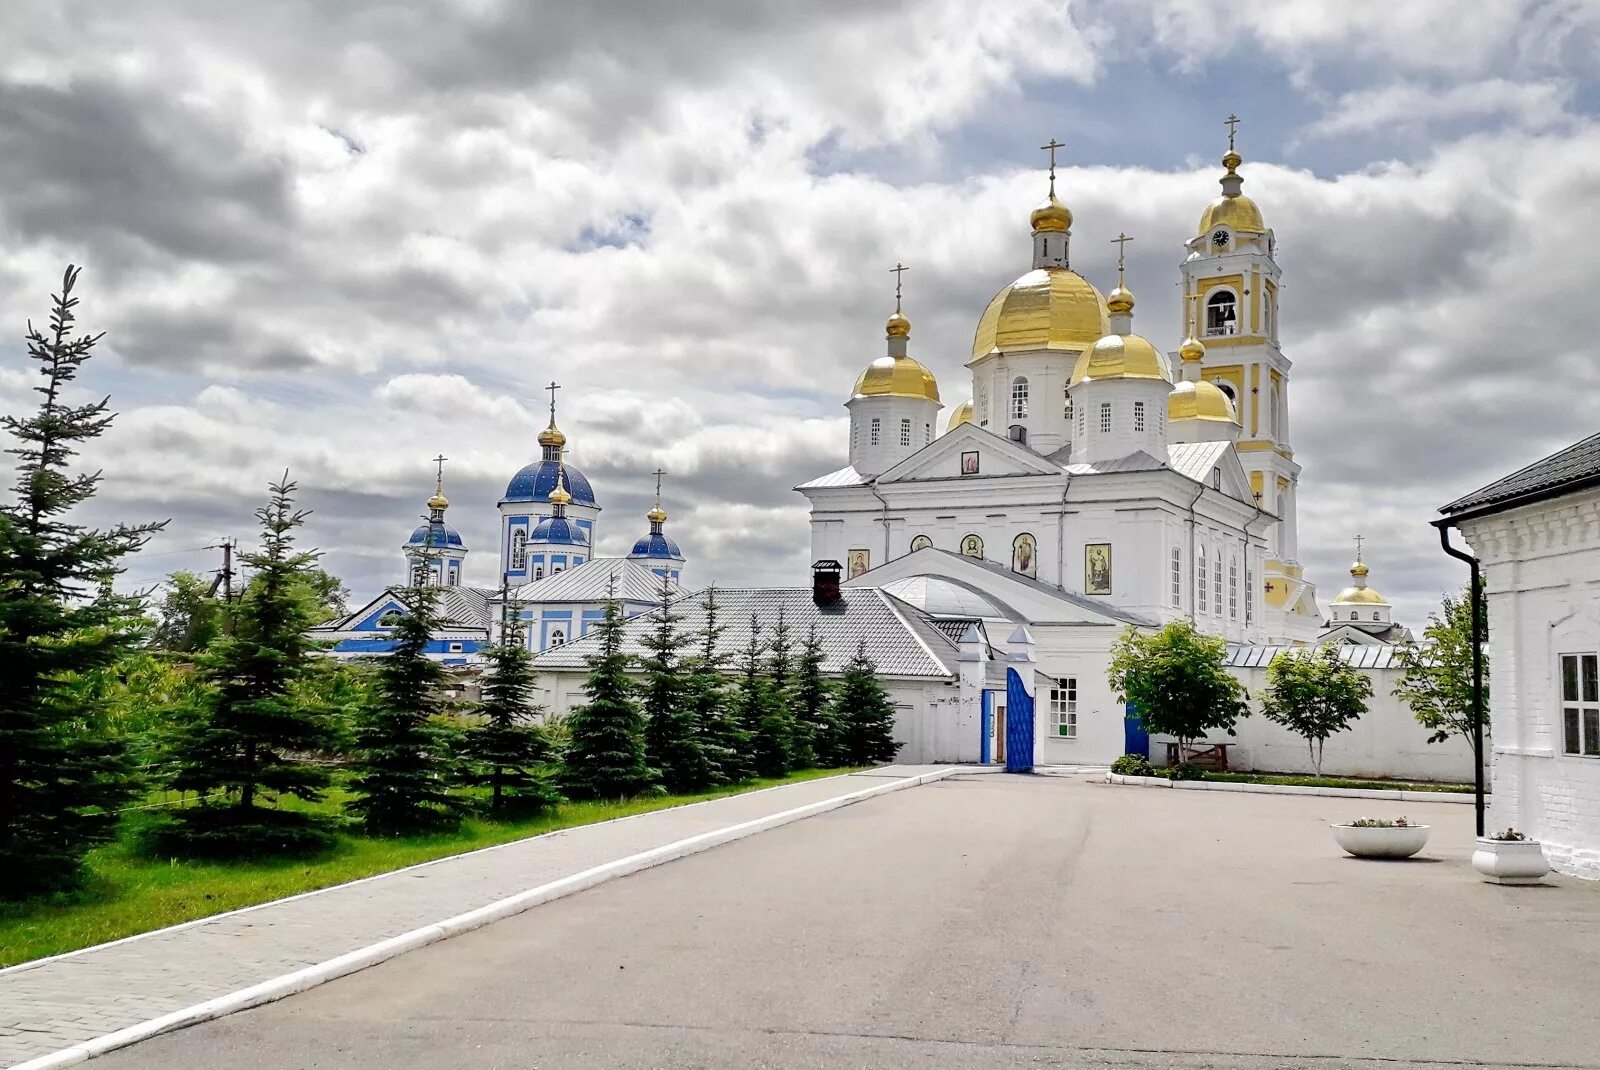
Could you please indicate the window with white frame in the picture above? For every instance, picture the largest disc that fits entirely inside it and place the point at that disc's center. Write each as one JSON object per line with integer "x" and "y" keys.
{"x": 1580, "y": 705}
{"x": 557, "y": 637}
{"x": 1216, "y": 584}
{"x": 873, "y": 433}
{"x": 1200, "y": 586}
{"x": 927, "y": 434}
{"x": 1249, "y": 596}
{"x": 1080, "y": 425}
{"x": 1019, "y": 397}
{"x": 905, "y": 431}
{"x": 1105, "y": 417}
{"x": 519, "y": 549}
{"x": 1138, "y": 416}
{"x": 1066, "y": 404}
{"x": 1177, "y": 578}
{"x": 1064, "y": 708}
{"x": 1233, "y": 588}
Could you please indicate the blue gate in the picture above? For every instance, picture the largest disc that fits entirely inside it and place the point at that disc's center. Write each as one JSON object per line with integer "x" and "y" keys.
{"x": 1019, "y": 724}
{"x": 1135, "y": 740}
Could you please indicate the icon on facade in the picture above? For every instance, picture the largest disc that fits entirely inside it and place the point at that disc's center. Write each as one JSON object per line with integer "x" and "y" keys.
{"x": 972, "y": 546}
{"x": 1025, "y": 555}
{"x": 921, "y": 542}
{"x": 858, "y": 562}
{"x": 1097, "y": 568}
{"x": 969, "y": 463}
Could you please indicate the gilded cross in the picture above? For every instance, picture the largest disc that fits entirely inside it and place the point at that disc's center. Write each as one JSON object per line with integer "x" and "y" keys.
{"x": 552, "y": 388}
{"x": 658, "y": 473}
{"x": 1051, "y": 149}
{"x": 1121, "y": 242}
{"x": 1359, "y": 540}
{"x": 1232, "y": 123}
{"x": 439, "y": 461}
{"x": 898, "y": 271}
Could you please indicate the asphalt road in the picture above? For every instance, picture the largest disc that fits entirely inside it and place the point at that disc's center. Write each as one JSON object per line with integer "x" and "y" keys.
{"x": 987, "y": 921}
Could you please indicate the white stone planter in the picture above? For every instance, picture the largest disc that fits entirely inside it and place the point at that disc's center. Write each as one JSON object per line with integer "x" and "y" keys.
{"x": 1401, "y": 842}
{"x": 1510, "y": 861}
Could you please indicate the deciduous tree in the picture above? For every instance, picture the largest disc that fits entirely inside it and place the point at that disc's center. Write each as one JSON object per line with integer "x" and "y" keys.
{"x": 1314, "y": 694}
{"x": 1436, "y": 684}
{"x": 1177, "y": 681}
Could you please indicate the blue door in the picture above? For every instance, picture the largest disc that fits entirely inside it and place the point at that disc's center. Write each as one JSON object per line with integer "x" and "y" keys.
{"x": 1019, "y": 725}
{"x": 1135, "y": 739}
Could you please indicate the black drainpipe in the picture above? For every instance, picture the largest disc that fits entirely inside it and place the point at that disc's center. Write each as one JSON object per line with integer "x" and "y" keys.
{"x": 1475, "y": 607}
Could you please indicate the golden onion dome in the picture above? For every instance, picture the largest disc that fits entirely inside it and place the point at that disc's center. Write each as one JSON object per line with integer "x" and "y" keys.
{"x": 897, "y": 326}
{"x": 962, "y": 415}
{"x": 1119, "y": 302}
{"x": 1363, "y": 596}
{"x": 1120, "y": 356}
{"x": 1051, "y": 215}
{"x": 551, "y": 436}
{"x": 1192, "y": 349}
{"x": 657, "y": 515}
{"x": 438, "y": 501}
{"x": 1048, "y": 308}
{"x": 1359, "y": 569}
{"x": 1232, "y": 209}
{"x": 559, "y": 496}
{"x": 1199, "y": 401}
{"x": 899, "y": 377}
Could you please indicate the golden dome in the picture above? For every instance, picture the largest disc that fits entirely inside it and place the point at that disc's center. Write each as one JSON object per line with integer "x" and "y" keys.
{"x": 551, "y": 436}
{"x": 1121, "y": 356}
{"x": 657, "y": 515}
{"x": 1051, "y": 215}
{"x": 1199, "y": 401}
{"x": 438, "y": 501}
{"x": 1359, "y": 569}
{"x": 1119, "y": 301}
{"x": 1232, "y": 209}
{"x": 899, "y": 377}
{"x": 1048, "y": 308}
{"x": 559, "y": 496}
{"x": 1364, "y": 596}
{"x": 962, "y": 415}
{"x": 1192, "y": 349}
{"x": 897, "y": 326}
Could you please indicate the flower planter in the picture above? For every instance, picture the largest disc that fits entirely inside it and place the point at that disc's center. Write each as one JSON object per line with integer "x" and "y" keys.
{"x": 1510, "y": 861}
{"x": 1399, "y": 842}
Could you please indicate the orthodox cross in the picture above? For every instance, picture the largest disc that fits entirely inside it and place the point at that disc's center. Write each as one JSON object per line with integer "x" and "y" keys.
{"x": 1359, "y": 540}
{"x": 552, "y": 388}
{"x": 658, "y": 473}
{"x": 1121, "y": 242}
{"x": 1194, "y": 301}
{"x": 898, "y": 271}
{"x": 1232, "y": 123}
{"x": 439, "y": 461}
{"x": 1051, "y": 149}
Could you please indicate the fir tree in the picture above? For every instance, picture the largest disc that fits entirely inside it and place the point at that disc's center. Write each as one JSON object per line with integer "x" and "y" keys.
{"x": 815, "y": 722}
{"x": 724, "y": 741}
{"x": 255, "y": 724}
{"x": 672, "y": 737}
{"x": 781, "y": 672}
{"x": 403, "y": 752}
{"x": 505, "y": 749}
{"x": 866, "y": 717}
{"x": 768, "y": 722}
{"x": 605, "y": 759}
{"x": 59, "y": 785}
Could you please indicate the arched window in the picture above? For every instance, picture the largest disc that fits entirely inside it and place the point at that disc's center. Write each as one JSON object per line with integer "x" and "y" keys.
{"x": 1019, "y": 398}
{"x": 519, "y": 549}
{"x": 1138, "y": 416}
{"x": 1233, "y": 587}
{"x": 1227, "y": 388}
{"x": 390, "y": 619}
{"x": 1017, "y": 433}
{"x": 1375, "y": 614}
{"x": 1222, "y": 316}
{"x": 557, "y": 637}
{"x": 927, "y": 434}
{"x": 1066, "y": 405}
{"x": 972, "y": 546}
{"x": 905, "y": 431}
{"x": 1216, "y": 583}
{"x": 873, "y": 438}
{"x": 1201, "y": 588}
{"x": 1177, "y": 578}
{"x": 538, "y": 572}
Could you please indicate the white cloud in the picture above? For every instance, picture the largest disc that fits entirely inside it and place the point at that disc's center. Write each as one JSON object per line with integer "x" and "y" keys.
{"x": 1413, "y": 107}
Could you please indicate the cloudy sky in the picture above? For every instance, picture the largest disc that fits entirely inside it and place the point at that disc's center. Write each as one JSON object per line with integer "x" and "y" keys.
{"x": 341, "y": 238}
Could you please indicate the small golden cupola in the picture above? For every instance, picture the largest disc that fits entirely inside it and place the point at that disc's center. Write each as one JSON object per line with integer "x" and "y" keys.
{"x": 962, "y": 415}
{"x": 1119, "y": 353}
{"x": 1233, "y": 209}
{"x": 895, "y": 400}
{"x": 1359, "y": 603}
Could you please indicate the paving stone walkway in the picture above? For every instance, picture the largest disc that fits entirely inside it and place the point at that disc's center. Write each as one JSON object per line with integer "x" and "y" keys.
{"x": 55, "y": 1003}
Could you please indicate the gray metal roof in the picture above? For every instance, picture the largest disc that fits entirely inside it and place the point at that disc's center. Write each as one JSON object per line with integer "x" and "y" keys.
{"x": 844, "y": 477}
{"x": 1093, "y": 605}
{"x": 899, "y": 639}
{"x": 1196, "y": 459}
{"x": 1568, "y": 469}
{"x": 1357, "y": 655}
{"x": 588, "y": 582}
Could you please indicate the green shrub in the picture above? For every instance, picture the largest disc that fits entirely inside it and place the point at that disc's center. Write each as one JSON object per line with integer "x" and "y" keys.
{"x": 1132, "y": 765}
{"x": 234, "y": 833}
{"x": 1186, "y": 771}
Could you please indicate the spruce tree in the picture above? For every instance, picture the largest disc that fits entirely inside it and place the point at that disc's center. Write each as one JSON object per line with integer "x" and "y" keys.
{"x": 781, "y": 672}
{"x": 866, "y": 717}
{"x": 605, "y": 759}
{"x": 770, "y": 726}
{"x": 256, "y": 723}
{"x": 505, "y": 749}
{"x": 59, "y": 784}
{"x": 672, "y": 737}
{"x": 724, "y": 741}
{"x": 815, "y": 721}
{"x": 403, "y": 752}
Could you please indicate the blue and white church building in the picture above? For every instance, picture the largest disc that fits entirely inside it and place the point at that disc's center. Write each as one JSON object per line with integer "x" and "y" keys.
{"x": 549, "y": 579}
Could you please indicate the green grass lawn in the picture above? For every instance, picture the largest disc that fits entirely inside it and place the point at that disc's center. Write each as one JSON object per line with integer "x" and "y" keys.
{"x": 128, "y": 894}
{"x": 1293, "y": 780}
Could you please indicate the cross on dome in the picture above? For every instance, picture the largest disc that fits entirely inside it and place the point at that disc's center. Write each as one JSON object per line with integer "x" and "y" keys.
{"x": 1051, "y": 148}
{"x": 657, "y": 515}
{"x": 1232, "y": 123}
{"x": 897, "y": 325}
{"x": 551, "y": 437}
{"x": 1119, "y": 302}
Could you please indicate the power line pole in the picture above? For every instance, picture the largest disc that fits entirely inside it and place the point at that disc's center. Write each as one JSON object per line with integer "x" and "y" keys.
{"x": 225, "y": 574}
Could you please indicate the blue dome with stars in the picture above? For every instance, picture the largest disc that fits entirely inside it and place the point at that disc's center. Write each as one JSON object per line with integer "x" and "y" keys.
{"x": 535, "y": 482}
{"x": 657, "y": 546}
{"x": 558, "y": 530}
{"x": 448, "y": 537}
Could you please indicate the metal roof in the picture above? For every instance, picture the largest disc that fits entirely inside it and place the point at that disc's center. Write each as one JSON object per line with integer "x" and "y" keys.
{"x": 1569, "y": 469}
{"x": 899, "y": 639}
{"x": 1084, "y": 602}
{"x": 589, "y": 581}
{"x": 1197, "y": 459}
{"x": 844, "y": 477}
{"x": 1359, "y": 656}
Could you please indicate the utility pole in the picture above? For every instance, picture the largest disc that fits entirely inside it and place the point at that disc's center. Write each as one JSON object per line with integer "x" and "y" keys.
{"x": 225, "y": 574}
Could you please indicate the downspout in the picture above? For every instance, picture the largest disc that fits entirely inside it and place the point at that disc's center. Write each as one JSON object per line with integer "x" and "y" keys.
{"x": 1475, "y": 604}
{"x": 1192, "y": 593}
{"x": 1061, "y": 535}
{"x": 872, "y": 485}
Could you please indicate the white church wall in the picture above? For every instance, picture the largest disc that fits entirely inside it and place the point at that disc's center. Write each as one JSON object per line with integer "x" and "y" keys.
{"x": 1542, "y": 566}
{"x": 1081, "y": 653}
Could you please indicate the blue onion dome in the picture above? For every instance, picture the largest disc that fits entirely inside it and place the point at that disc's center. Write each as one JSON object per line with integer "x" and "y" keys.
{"x": 446, "y": 537}
{"x": 535, "y": 482}
{"x": 558, "y": 530}
{"x": 657, "y": 545}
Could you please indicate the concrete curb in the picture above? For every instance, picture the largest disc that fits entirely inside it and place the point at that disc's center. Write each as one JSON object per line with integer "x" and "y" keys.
{"x": 1457, "y": 797}
{"x": 288, "y": 984}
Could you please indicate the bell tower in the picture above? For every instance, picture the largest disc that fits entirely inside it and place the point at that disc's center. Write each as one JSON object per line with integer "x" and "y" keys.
{"x": 1230, "y": 272}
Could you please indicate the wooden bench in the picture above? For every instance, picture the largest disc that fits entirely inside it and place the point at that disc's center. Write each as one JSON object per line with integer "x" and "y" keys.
{"x": 1206, "y": 755}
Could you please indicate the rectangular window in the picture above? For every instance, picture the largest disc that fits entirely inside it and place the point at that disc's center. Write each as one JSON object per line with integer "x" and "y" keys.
{"x": 874, "y": 436}
{"x": 1019, "y": 398}
{"x": 1177, "y": 578}
{"x": 1066, "y": 410}
{"x": 927, "y": 434}
{"x": 1249, "y": 596}
{"x": 1200, "y": 586}
{"x": 1138, "y": 416}
{"x": 1105, "y": 417}
{"x": 1580, "y": 705}
{"x": 905, "y": 432}
{"x": 1064, "y": 708}
{"x": 1233, "y": 588}
{"x": 1216, "y": 585}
